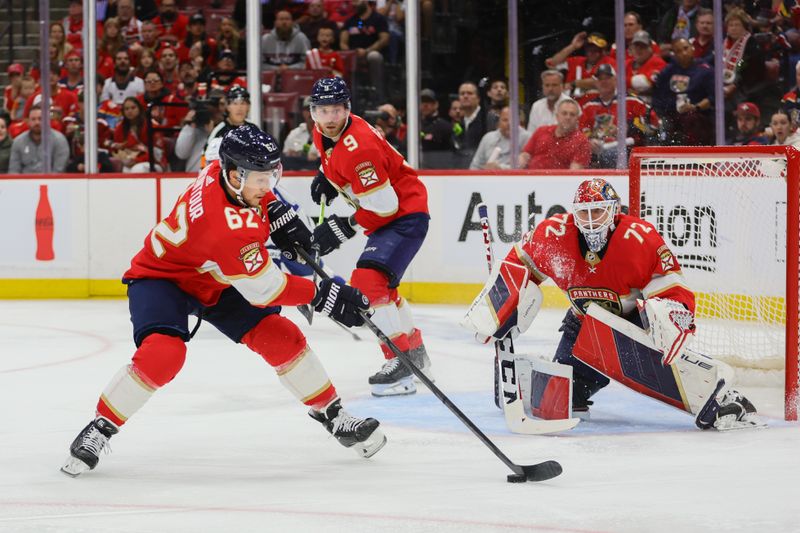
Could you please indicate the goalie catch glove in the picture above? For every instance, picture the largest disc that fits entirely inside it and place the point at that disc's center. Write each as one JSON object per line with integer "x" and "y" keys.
{"x": 671, "y": 326}
{"x": 506, "y": 306}
{"x": 332, "y": 233}
{"x": 341, "y": 302}
{"x": 288, "y": 231}
{"x": 321, "y": 186}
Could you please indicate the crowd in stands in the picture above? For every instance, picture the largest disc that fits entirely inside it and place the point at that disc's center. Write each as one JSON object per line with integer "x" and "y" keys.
{"x": 165, "y": 76}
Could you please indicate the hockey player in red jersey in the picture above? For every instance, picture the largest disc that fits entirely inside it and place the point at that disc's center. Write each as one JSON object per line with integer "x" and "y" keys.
{"x": 598, "y": 255}
{"x": 208, "y": 259}
{"x": 391, "y": 205}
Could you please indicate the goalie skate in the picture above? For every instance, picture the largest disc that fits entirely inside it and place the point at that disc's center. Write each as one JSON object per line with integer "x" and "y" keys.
{"x": 393, "y": 379}
{"x": 85, "y": 449}
{"x": 727, "y": 411}
{"x": 360, "y": 434}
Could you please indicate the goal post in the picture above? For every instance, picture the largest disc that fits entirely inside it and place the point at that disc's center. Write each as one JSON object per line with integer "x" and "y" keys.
{"x": 731, "y": 215}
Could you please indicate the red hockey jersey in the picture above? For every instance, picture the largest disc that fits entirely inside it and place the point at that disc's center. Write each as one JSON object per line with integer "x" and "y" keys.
{"x": 636, "y": 264}
{"x": 208, "y": 243}
{"x": 371, "y": 173}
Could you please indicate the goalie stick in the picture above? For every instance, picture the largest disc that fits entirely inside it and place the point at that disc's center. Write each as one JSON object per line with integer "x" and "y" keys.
{"x": 536, "y": 472}
{"x": 508, "y": 392}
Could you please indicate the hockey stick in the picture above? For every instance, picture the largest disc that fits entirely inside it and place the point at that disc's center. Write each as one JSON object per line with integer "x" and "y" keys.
{"x": 483, "y": 213}
{"x": 306, "y": 311}
{"x": 510, "y": 401}
{"x": 537, "y": 472}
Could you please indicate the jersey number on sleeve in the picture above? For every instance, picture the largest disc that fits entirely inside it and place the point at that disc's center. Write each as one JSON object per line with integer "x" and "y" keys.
{"x": 559, "y": 230}
{"x": 175, "y": 237}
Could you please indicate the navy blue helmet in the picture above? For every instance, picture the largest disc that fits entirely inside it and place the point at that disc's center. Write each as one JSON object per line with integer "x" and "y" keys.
{"x": 249, "y": 148}
{"x": 329, "y": 91}
{"x": 237, "y": 92}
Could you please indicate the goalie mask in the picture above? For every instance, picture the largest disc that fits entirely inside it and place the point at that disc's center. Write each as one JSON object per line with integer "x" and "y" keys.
{"x": 254, "y": 155}
{"x": 595, "y": 209}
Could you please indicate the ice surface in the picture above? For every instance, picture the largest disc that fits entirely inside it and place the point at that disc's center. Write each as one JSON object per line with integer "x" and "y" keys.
{"x": 225, "y": 448}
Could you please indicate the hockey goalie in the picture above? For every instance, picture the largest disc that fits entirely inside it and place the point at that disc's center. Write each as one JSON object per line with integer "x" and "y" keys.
{"x": 631, "y": 316}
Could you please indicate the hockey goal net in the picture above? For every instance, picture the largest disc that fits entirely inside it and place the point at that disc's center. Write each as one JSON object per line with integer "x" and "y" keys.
{"x": 731, "y": 215}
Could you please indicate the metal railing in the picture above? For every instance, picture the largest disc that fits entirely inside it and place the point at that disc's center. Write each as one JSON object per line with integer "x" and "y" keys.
{"x": 9, "y": 29}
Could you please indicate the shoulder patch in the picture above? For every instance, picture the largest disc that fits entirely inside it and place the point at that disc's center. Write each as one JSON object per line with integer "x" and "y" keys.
{"x": 366, "y": 173}
{"x": 251, "y": 256}
{"x": 667, "y": 259}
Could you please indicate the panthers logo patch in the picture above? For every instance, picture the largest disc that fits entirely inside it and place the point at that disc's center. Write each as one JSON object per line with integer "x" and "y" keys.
{"x": 581, "y": 297}
{"x": 251, "y": 257}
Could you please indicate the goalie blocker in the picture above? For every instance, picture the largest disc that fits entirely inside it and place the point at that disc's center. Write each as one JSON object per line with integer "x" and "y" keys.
{"x": 693, "y": 382}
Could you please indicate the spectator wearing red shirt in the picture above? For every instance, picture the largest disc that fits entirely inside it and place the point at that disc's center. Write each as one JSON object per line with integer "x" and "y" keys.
{"x": 226, "y": 75}
{"x": 170, "y": 22}
{"x": 599, "y": 119}
{"x": 168, "y": 66}
{"x": 196, "y": 37}
{"x": 561, "y": 145}
{"x": 131, "y": 137}
{"x": 111, "y": 42}
{"x": 703, "y": 42}
{"x": 325, "y": 57}
{"x": 62, "y": 98}
{"x": 632, "y": 22}
{"x": 156, "y": 93}
{"x": 642, "y": 69}
{"x": 15, "y": 72}
{"x": 130, "y": 26}
{"x": 339, "y": 10}
{"x": 73, "y": 24}
{"x": 580, "y": 69}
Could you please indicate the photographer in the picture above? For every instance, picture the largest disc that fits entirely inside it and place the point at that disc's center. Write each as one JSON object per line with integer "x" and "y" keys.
{"x": 387, "y": 120}
{"x": 197, "y": 126}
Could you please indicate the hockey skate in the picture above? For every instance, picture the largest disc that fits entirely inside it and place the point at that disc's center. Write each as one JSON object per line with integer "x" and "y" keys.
{"x": 393, "y": 379}
{"x": 85, "y": 449}
{"x": 360, "y": 434}
{"x": 731, "y": 411}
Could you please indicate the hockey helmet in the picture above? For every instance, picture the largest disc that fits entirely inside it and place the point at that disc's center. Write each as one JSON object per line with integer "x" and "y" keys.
{"x": 250, "y": 152}
{"x": 595, "y": 209}
{"x": 330, "y": 91}
{"x": 237, "y": 92}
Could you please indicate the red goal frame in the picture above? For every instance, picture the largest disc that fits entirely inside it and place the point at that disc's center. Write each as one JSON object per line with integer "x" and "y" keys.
{"x": 792, "y": 235}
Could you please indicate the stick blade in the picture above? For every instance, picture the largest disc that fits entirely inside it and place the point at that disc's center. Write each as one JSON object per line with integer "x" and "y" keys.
{"x": 542, "y": 471}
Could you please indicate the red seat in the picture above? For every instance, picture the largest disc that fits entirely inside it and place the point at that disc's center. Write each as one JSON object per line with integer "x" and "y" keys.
{"x": 350, "y": 60}
{"x": 301, "y": 81}
{"x": 280, "y": 110}
{"x": 270, "y": 77}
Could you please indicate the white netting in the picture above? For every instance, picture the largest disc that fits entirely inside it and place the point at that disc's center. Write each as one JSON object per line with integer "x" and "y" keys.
{"x": 724, "y": 217}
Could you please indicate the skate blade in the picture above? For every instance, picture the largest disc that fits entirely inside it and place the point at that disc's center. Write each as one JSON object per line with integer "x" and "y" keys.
{"x": 74, "y": 467}
{"x": 403, "y": 387}
{"x": 371, "y": 445}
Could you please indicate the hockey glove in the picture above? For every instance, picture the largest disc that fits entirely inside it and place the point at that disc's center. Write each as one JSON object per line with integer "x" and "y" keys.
{"x": 288, "y": 231}
{"x": 321, "y": 186}
{"x": 332, "y": 233}
{"x": 671, "y": 326}
{"x": 506, "y": 306}
{"x": 342, "y": 303}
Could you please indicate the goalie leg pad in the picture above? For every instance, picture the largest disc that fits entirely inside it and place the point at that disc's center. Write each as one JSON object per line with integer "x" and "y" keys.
{"x": 626, "y": 353}
{"x": 586, "y": 381}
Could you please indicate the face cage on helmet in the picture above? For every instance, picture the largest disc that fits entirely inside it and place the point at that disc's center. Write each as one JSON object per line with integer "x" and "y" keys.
{"x": 274, "y": 178}
{"x": 595, "y": 230}
{"x": 317, "y": 120}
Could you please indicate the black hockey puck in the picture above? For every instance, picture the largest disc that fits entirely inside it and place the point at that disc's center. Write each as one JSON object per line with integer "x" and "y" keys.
{"x": 516, "y": 478}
